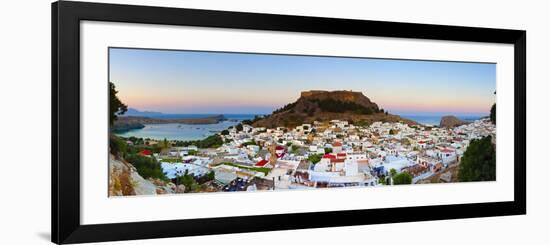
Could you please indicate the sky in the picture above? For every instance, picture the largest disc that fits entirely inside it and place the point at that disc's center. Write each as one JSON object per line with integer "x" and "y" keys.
{"x": 198, "y": 82}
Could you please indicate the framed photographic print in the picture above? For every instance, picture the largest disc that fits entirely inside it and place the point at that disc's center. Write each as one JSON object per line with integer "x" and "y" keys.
{"x": 177, "y": 122}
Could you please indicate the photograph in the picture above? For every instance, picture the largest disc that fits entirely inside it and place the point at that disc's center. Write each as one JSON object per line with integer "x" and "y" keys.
{"x": 191, "y": 121}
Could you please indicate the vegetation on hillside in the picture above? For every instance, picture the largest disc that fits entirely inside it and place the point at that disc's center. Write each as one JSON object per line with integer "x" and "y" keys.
{"x": 479, "y": 161}
{"x": 147, "y": 167}
{"x": 331, "y": 105}
{"x": 212, "y": 141}
{"x": 250, "y": 122}
{"x": 286, "y": 107}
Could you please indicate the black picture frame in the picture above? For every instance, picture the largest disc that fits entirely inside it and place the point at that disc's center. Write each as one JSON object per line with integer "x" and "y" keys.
{"x": 66, "y": 17}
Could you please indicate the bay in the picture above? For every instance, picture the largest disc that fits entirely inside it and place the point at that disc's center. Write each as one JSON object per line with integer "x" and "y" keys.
{"x": 184, "y": 132}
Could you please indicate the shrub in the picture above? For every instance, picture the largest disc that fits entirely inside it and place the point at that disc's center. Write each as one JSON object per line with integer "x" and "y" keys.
{"x": 314, "y": 158}
{"x": 118, "y": 146}
{"x": 402, "y": 178}
{"x": 147, "y": 167}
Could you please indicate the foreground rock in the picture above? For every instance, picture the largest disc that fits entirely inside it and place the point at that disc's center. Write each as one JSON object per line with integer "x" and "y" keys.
{"x": 450, "y": 122}
{"x": 124, "y": 180}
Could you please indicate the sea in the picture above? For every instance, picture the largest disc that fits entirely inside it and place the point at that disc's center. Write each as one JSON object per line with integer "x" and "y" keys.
{"x": 187, "y": 132}
{"x": 434, "y": 120}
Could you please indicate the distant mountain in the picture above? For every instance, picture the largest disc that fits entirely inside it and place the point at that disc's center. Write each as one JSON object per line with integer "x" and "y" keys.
{"x": 137, "y": 113}
{"x": 317, "y": 105}
{"x": 136, "y": 122}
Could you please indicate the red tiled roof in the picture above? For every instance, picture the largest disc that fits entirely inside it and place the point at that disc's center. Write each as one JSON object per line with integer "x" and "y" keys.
{"x": 447, "y": 150}
{"x": 329, "y": 156}
{"x": 341, "y": 154}
{"x": 279, "y": 147}
{"x": 261, "y": 163}
{"x": 337, "y": 144}
{"x": 334, "y": 160}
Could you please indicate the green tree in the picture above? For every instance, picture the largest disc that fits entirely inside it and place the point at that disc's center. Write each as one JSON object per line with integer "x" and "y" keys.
{"x": 165, "y": 144}
{"x": 225, "y": 132}
{"x": 211, "y": 175}
{"x": 479, "y": 161}
{"x": 239, "y": 127}
{"x": 314, "y": 158}
{"x": 393, "y": 172}
{"x": 328, "y": 150}
{"x": 402, "y": 178}
{"x": 116, "y": 107}
{"x": 493, "y": 114}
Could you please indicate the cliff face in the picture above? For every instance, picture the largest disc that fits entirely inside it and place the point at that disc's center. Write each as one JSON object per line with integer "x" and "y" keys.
{"x": 322, "y": 106}
{"x": 124, "y": 180}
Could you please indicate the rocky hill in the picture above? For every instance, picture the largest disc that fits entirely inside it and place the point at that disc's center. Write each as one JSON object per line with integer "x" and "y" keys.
{"x": 450, "y": 121}
{"x": 125, "y": 123}
{"x": 323, "y": 106}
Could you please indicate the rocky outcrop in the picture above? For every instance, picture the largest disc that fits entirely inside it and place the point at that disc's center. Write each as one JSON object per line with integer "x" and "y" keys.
{"x": 125, "y": 123}
{"x": 342, "y": 96}
{"x": 121, "y": 125}
{"x": 317, "y": 105}
{"x": 450, "y": 122}
{"x": 124, "y": 180}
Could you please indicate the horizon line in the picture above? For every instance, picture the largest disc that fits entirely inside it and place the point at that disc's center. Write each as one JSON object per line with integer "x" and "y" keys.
{"x": 403, "y": 113}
